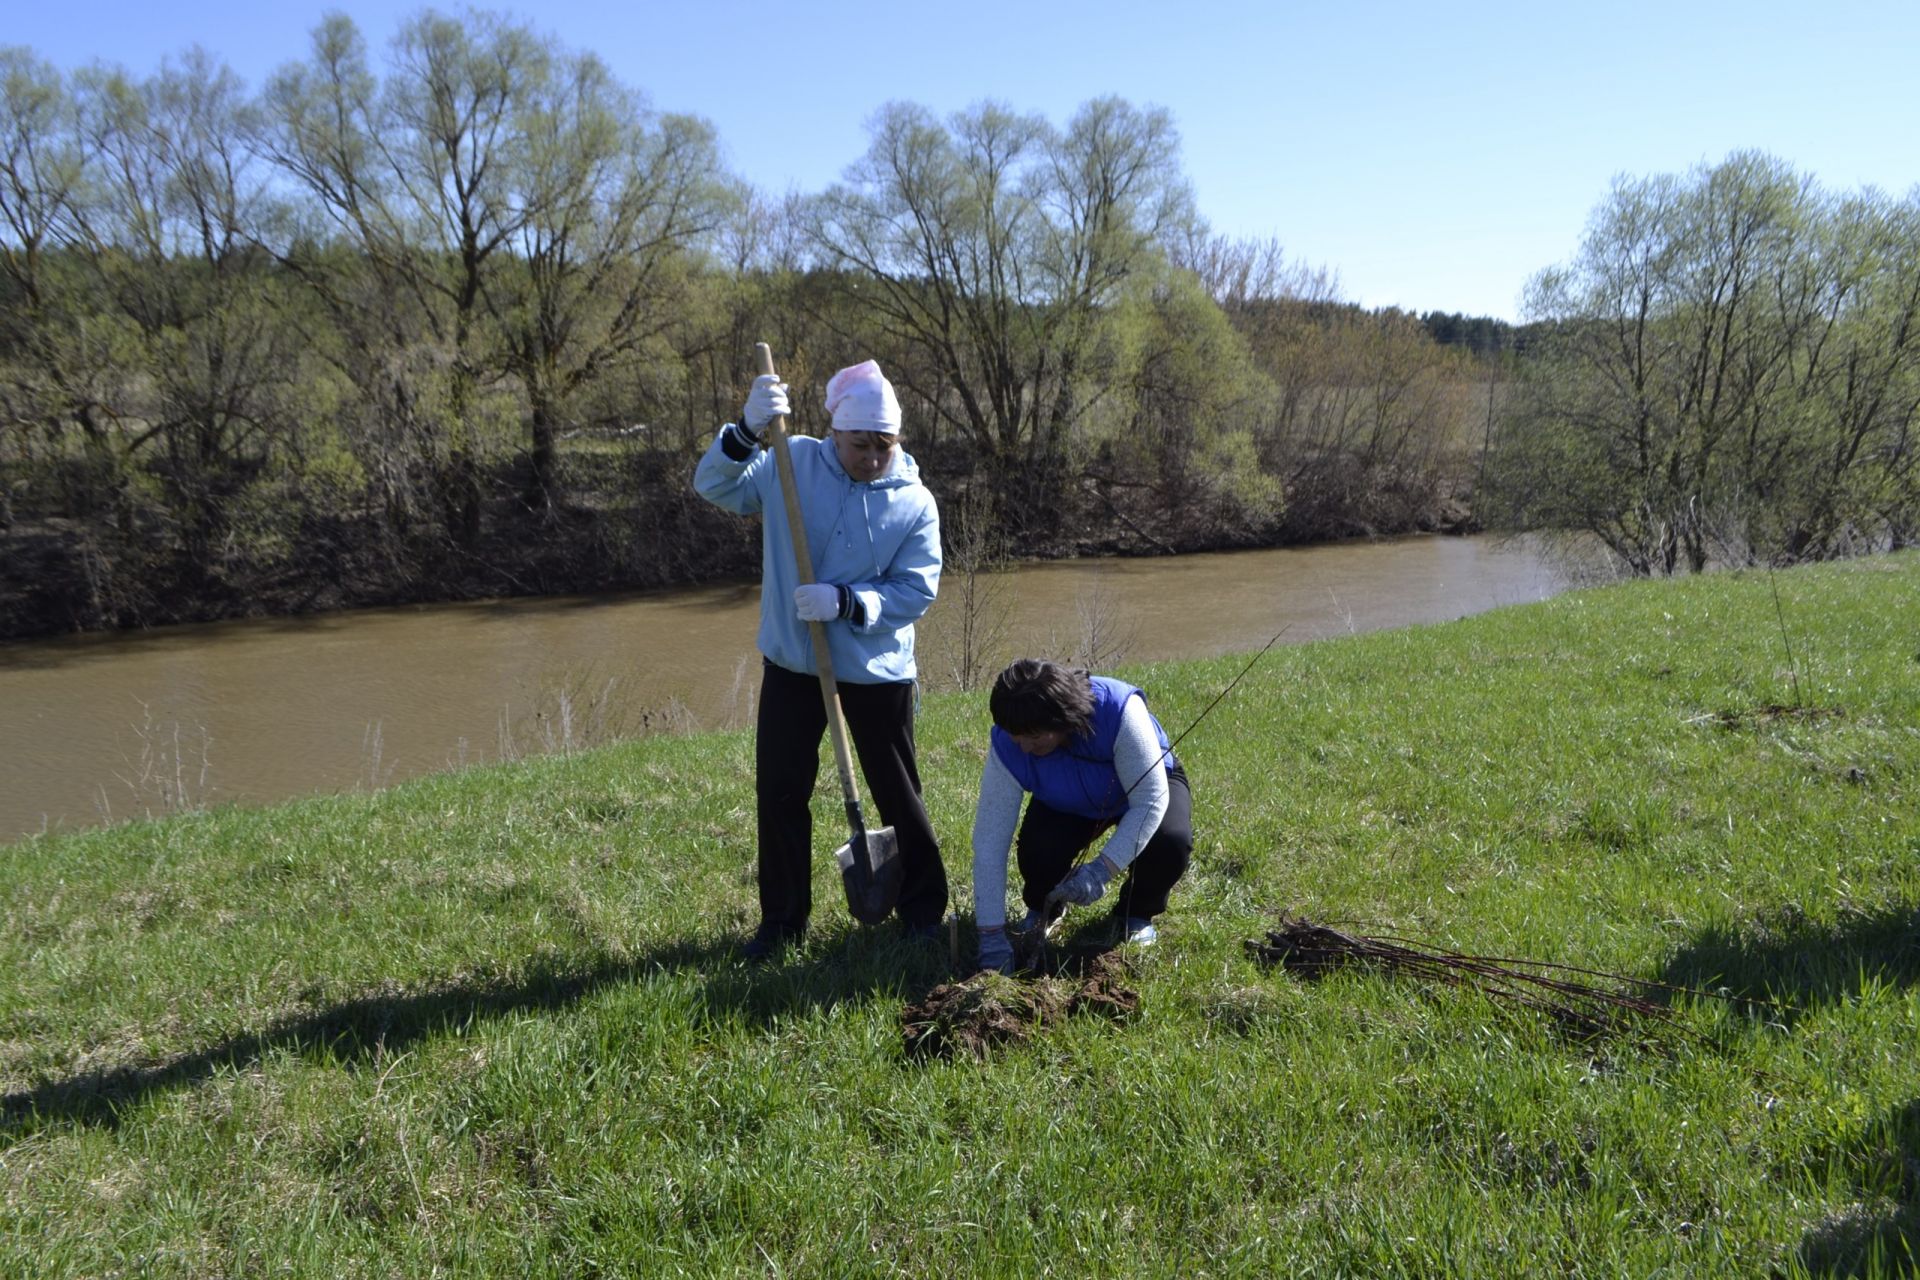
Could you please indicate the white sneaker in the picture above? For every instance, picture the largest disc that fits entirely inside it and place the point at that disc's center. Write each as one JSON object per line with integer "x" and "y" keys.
{"x": 1140, "y": 933}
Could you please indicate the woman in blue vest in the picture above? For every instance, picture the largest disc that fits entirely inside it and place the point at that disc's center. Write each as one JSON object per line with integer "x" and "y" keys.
{"x": 1089, "y": 759}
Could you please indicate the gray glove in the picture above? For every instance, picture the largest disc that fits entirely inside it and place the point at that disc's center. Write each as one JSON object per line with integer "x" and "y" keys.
{"x": 767, "y": 401}
{"x": 1084, "y": 884}
{"x": 996, "y": 951}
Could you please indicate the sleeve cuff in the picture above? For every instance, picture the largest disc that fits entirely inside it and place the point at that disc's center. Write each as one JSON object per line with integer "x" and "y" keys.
{"x": 737, "y": 442}
{"x": 861, "y": 608}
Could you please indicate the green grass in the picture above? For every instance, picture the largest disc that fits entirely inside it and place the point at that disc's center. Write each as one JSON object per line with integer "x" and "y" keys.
{"x": 490, "y": 1023}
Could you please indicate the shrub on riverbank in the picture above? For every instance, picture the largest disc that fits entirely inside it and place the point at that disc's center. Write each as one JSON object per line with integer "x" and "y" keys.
{"x": 490, "y": 1022}
{"x": 630, "y": 522}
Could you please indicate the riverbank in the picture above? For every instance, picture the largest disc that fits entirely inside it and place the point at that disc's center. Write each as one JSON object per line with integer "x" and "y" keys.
{"x": 489, "y": 1022}
{"x": 629, "y": 522}
{"x": 62, "y": 576}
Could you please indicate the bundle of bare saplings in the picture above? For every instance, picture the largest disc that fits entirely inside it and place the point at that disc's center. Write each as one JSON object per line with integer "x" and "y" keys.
{"x": 1568, "y": 996}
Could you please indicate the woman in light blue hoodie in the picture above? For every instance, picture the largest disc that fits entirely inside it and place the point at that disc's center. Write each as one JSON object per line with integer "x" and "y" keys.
{"x": 874, "y": 533}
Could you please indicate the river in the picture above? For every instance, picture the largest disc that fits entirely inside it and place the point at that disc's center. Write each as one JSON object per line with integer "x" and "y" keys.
{"x": 102, "y": 728}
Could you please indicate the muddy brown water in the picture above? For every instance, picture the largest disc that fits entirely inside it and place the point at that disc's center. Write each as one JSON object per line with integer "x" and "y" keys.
{"x": 97, "y": 729}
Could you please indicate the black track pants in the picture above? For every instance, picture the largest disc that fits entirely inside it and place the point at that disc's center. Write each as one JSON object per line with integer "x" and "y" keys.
{"x": 786, "y": 757}
{"x": 1050, "y": 841}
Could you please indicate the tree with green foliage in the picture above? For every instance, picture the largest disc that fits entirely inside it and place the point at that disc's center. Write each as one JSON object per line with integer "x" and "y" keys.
{"x": 48, "y": 380}
{"x": 1181, "y": 466}
{"x": 163, "y": 222}
{"x": 1728, "y": 371}
{"x": 1830, "y": 469}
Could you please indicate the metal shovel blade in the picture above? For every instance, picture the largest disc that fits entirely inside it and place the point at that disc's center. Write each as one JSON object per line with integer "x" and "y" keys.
{"x": 871, "y": 872}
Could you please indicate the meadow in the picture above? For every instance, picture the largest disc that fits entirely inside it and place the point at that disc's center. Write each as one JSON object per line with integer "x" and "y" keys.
{"x": 492, "y": 1022}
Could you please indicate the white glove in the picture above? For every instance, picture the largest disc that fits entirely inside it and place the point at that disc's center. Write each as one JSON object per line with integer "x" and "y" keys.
{"x": 767, "y": 401}
{"x": 817, "y": 602}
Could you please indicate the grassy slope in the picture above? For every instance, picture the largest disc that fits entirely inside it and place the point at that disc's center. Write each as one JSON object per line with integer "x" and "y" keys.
{"x": 490, "y": 1023}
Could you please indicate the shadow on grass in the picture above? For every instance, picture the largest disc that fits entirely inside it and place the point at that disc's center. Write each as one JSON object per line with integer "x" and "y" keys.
{"x": 837, "y": 966}
{"x": 1788, "y": 965}
{"x": 1879, "y": 1234}
{"x": 1795, "y": 964}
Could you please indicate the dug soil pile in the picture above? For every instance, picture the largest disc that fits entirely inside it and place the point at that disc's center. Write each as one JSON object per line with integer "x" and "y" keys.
{"x": 989, "y": 1009}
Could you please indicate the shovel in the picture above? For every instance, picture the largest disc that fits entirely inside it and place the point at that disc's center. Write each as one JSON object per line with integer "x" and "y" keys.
{"x": 870, "y": 860}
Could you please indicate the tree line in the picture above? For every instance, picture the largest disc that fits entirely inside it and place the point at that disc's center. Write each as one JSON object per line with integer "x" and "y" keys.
{"x": 1726, "y": 371}
{"x": 457, "y": 320}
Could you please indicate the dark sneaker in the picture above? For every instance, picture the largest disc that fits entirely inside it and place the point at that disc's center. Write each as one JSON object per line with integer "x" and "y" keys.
{"x": 932, "y": 931}
{"x": 768, "y": 941}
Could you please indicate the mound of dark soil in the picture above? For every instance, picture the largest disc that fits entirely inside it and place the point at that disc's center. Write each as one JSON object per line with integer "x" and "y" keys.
{"x": 989, "y": 1009}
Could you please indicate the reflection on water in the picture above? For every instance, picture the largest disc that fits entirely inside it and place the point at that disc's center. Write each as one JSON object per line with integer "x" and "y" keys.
{"x": 100, "y": 728}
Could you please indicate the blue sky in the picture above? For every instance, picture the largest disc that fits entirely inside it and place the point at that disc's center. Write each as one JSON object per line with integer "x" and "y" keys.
{"x": 1434, "y": 156}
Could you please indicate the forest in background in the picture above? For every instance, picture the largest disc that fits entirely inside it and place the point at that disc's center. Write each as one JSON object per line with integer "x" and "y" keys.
{"x": 457, "y": 323}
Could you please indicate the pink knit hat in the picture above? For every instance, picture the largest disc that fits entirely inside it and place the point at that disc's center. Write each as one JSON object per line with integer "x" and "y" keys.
{"x": 861, "y": 399}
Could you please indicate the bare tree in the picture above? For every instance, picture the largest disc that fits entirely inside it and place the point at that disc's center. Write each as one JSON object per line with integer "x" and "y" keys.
{"x": 343, "y": 232}
{"x": 417, "y": 174}
{"x": 1240, "y": 273}
{"x": 993, "y": 246}
{"x": 1105, "y": 634}
{"x": 614, "y": 198}
{"x": 973, "y": 617}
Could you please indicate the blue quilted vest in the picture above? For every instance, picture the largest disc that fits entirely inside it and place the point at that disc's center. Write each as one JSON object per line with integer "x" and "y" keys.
{"x": 1079, "y": 776}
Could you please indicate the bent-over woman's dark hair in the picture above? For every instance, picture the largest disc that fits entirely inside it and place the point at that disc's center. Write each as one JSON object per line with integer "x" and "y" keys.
{"x": 1033, "y": 695}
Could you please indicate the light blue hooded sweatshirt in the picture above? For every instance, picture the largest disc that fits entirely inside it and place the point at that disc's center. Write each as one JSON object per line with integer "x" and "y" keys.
{"x": 880, "y": 538}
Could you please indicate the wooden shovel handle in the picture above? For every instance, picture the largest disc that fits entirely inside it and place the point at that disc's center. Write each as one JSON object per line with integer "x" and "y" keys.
{"x": 803, "y": 561}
